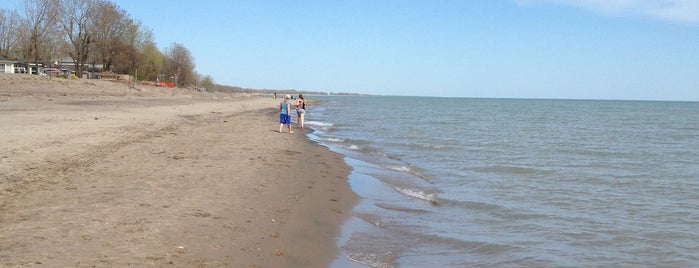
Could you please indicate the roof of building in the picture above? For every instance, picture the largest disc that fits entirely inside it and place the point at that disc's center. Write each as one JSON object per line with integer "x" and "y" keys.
{"x": 4, "y": 58}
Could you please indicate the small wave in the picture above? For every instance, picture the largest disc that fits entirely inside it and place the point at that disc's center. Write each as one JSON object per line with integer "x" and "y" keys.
{"x": 353, "y": 147}
{"x": 387, "y": 156}
{"x": 334, "y": 139}
{"x": 435, "y": 146}
{"x": 514, "y": 170}
{"x": 471, "y": 205}
{"x": 317, "y": 123}
{"x": 419, "y": 194}
{"x": 400, "y": 168}
{"x": 400, "y": 208}
{"x": 491, "y": 248}
{"x": 409, "y": 170}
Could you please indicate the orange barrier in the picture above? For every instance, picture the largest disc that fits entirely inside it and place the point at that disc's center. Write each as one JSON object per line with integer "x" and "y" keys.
{"x": 156, "y": 84}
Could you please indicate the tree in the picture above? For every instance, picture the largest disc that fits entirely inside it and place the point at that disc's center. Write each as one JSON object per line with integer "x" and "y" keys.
{"x": 126, "y": 57}
{"x": 39, "y": 17}
{"x": 78, "y": 26}
{"x": 8, "y": 31}
{"x": 180, "y": 65}
{"x": 207, "y": 82}
{"x": 110, "y": 26}
{"x": 97, "y": 32}
{"x": 150, "y": 60}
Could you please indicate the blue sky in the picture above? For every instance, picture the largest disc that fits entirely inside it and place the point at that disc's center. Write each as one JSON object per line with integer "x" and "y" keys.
{"x": 572, "y": 49}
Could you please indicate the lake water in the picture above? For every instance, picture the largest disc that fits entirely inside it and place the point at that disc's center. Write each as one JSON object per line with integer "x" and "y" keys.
{"x": 453, "y": 182}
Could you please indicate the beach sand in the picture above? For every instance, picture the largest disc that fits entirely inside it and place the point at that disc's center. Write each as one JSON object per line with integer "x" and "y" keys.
{"x": 95, "y": 174}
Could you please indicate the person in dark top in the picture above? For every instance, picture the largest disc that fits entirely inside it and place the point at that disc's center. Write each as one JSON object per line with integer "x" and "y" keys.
{"x": 300, "y": 110}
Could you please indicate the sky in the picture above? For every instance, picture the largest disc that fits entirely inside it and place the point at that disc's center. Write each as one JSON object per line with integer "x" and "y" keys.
{"x": 560, "y": 49}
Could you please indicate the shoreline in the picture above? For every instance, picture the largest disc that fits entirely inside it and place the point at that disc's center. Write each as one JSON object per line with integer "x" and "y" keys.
{"x": 95, "y": 173}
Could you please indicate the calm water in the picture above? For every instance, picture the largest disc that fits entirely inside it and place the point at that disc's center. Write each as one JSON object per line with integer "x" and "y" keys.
{"x": 450, "y": 182}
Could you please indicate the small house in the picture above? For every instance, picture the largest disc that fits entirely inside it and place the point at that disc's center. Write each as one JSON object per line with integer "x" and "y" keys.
{"x": 7, "y": 65}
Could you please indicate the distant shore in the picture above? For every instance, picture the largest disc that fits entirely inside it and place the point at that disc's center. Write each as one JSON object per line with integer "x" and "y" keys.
{"x": 97, "y": 173}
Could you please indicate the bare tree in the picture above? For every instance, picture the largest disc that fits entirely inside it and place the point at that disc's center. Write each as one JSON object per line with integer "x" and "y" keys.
{"x": 94, "y": 31}
{"x": 39, "y": 18}
{"x": 77, "y": 23}
{"x": 8, "y": 31}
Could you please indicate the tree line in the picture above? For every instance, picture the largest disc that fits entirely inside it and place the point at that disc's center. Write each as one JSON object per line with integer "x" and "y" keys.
{"x": 93, "y": 32}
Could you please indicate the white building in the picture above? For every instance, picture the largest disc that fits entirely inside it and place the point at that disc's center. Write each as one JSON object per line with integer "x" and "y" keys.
{"x": 7, "y": 65}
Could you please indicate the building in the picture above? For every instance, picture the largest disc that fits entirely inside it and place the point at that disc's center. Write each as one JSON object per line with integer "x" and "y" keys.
{"x": 67, "y": 66}
{"x": 7, "y": 65}
{"x": 23, "y": 66}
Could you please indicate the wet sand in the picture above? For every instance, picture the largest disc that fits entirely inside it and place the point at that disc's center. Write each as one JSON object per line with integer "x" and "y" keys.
{"x": 95, "y": 173}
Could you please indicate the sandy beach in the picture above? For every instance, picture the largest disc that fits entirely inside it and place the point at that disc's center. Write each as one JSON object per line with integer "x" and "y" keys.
{"x": 100, "y": 174}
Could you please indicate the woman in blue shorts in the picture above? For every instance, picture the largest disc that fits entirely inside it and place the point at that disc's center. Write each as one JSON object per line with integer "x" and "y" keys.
{"x": 285, "y": 114}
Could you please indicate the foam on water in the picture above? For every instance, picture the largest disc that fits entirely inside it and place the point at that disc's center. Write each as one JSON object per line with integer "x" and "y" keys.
{"x": 337, "y": 140}
{"x": 317, "y": 123}
{"x": 399, "y": 168}
{"x": 419, "y": 194}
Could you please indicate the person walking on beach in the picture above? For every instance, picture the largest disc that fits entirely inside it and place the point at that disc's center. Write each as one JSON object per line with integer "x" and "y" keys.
{"x": 300, "y": 110}
{"x": 285, "y": 114}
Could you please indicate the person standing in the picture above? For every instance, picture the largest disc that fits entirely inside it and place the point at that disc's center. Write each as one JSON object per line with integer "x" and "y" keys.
{"x": 300, "y": 110}
{"x": 285, "y": 113}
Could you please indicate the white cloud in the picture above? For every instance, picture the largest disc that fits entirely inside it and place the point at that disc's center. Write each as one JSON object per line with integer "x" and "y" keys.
{"x": 682, "y": 11}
